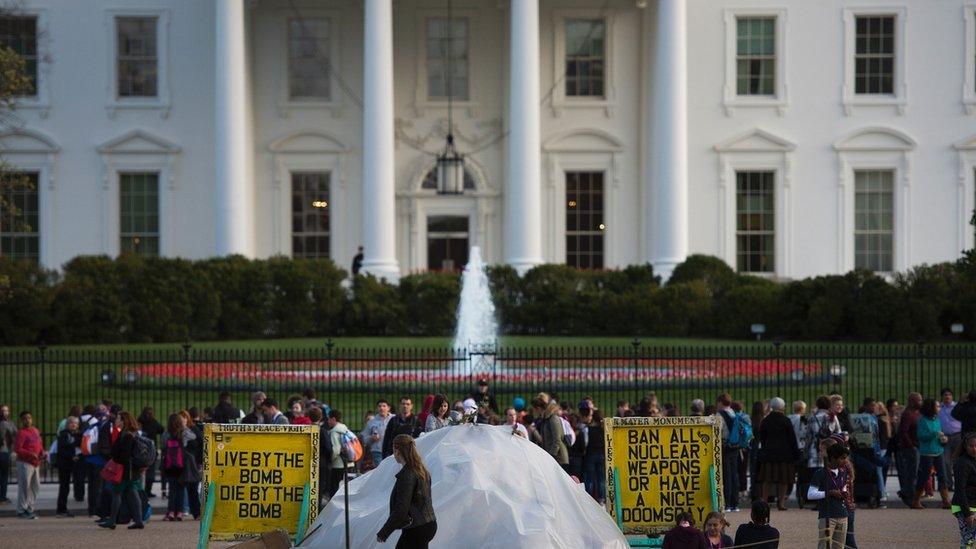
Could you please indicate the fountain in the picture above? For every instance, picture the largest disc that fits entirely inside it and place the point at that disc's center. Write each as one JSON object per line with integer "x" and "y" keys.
{"x": 477, "y": 329}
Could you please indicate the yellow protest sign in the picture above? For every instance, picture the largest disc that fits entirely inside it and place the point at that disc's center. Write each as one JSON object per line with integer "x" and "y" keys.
{"x": 257, "y": 476}
{"x": 658, "y": 467}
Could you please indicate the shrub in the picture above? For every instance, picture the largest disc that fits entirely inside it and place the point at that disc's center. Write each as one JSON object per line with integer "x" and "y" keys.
{"x": 430, "y": 303}
{"x": 159, "y": 307}
{"x": 374, "y": 308}
{"x": 245, "y": 290}
{"x": 306, "y": 297}
{"x": 685, "y": 308}
{"x": 88, "y": 304}
{"x": 715, "y": 275}
{"x": 750, "y": 302}
{"x": 506, "y": 294}
{"x": 25, "y": 302}
{"x": 552, "y": 300}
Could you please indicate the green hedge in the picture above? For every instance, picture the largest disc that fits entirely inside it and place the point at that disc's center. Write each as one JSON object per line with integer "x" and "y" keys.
{"x": 131, "y": 299}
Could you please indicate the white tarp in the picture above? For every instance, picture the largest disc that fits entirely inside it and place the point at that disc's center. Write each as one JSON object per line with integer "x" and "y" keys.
{"x": 490, "y": 489}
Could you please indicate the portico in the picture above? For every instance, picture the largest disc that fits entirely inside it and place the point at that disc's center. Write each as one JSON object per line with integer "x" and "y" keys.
{"x": 508, "y": 200}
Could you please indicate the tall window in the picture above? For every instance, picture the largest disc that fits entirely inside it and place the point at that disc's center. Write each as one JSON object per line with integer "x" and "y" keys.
{"x": 584, "y": 220}
{"x": 19, "y": 234}
{"x": 755, "y": 55}
{"x": 755, "y": 222}
{"x": 309, "y": 67}
{"x": 874, "y": 55}
{"x": 20, "y": 35}
{"x": 137, "y": 56}
{"x": 310, "y": 214}
{"x": 585, "y": 57}
{"x": 874, "y": 220}
{"x": 139, "y": 214}
{"x": 447, "y": 58}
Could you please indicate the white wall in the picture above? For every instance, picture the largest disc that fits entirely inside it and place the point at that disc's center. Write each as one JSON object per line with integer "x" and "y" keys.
{"x": 603, "y": 136}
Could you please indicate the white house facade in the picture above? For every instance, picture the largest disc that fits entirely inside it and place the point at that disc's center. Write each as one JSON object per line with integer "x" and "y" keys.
{"x": 789, "y": 137}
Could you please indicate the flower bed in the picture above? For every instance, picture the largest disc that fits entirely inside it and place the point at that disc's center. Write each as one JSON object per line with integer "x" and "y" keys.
{"x": 364, "y": 374}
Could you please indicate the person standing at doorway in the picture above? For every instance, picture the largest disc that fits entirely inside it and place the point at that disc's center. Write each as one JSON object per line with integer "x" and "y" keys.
{"x": 357, "y": 261}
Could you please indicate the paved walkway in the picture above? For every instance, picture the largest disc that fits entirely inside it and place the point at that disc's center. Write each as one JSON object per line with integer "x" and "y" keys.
{"x": 47, "y": 502}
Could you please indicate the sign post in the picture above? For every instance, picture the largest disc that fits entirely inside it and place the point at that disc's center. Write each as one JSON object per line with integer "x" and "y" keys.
{"x": 258, "y": 478}
{"x": 658, "y": 468}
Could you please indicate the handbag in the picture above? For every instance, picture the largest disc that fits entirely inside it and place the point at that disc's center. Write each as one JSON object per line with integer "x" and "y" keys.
{"x": 112, "y": 472}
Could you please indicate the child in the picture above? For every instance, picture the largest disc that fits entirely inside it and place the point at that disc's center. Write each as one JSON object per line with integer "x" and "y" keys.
{"x": 828, "y": 487}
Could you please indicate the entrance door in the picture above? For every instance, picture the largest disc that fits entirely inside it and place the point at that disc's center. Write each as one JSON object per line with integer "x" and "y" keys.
{"x": 447, "y": 242}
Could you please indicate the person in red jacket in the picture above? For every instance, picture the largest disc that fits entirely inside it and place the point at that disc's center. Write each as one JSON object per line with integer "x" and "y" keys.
{"x": 30, "y": 453}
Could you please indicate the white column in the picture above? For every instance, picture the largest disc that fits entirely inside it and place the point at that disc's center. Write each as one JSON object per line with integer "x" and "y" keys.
{"x": 230, "y": 128}
{"x": 523, "y": 201}
{"x": 379, "y": 199}
{"x": 666, "y": 183}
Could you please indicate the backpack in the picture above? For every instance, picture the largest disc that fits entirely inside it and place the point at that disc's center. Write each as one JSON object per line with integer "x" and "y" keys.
{"x": 89, "y": 440}
{"x": 143, "y": 452}
{"x": 173, "y": 455}
{"x": 821, "y": 431}
{"x": 740, "y": 434}
{"x": 351, "y": 450}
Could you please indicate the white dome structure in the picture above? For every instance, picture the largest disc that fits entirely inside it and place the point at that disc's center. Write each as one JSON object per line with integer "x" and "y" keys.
{"x": 489, "y": 489}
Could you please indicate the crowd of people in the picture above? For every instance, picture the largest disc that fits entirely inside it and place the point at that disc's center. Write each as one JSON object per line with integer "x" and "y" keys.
{"x": 833, "y": 457}
{"x": 829, "y": 456}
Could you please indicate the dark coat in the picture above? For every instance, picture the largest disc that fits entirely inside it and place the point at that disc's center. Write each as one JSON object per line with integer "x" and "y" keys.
{"x": 122, "y": 454}
{"x": 400, "y": 426}
{"x": 104, "y": 445}
{"x": 755, "y": 535}
{"x": 684, "y": 538}
{"x": 225, "y": 412}
{"x": 68, "y": 442}
{"x": 410, "y": 503}
{"x": 151, "y": 428}
{"x": 777, "y": 440}
{"x": 965, "y": 479}
{"x": 965, "y": 413}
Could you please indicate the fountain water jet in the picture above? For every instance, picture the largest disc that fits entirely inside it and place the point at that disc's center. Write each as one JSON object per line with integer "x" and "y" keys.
{"x": 477, "y": 329}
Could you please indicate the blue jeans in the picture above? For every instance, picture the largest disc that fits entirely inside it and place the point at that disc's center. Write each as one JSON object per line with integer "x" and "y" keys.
{"x": 594, "y": 476}
{"x": 377, "y": 457}
{"x": 850, "y": 543}
{"x": 907, "y": 462}
{"x": 730, "y": 476}
{"x": 4, "y": 474}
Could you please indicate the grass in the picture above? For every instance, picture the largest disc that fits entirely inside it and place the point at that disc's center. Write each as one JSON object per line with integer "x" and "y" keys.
{"x": 441, "y": 342}
{"x": 444, "y": 342}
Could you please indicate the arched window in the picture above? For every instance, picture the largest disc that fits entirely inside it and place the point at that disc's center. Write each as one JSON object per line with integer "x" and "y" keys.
{"x": 430, "y": 180}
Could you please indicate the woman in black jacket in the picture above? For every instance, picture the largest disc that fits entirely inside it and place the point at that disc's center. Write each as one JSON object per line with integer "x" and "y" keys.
{"x": 778, "y": 453}
{"x": 122, "y": 454}
{"x": 964, "y": 498}
{"x": 151, "y": 429}
{"x": 411, "y": 509}
{"x": 68, "y": 440}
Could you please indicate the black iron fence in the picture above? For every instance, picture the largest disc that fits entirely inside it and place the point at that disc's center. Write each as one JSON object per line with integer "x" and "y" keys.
{"x": 48, "y": 381}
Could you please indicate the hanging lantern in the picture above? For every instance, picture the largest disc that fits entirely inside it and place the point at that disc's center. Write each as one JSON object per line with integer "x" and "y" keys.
{"x": 450, "y": 164}
{"x": 450, "y": 170}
